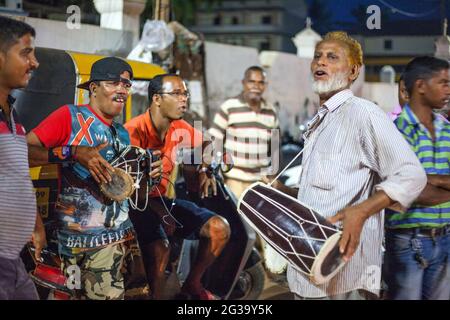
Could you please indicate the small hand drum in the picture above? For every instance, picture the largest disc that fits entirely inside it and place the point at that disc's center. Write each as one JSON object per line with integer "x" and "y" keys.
{"x": 131, "y": 177}
{"x": 121, "y": 186}
{"x": 301, "y": 235}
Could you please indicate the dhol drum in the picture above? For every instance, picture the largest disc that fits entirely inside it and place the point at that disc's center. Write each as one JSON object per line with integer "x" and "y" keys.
{"x": 131, "y": 177}
{"x": 297, "y": 232}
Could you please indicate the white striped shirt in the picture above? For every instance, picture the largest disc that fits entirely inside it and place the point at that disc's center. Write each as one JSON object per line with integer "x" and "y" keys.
{"x": 353, "y": 152}
{"x": 17, "y": 199}
{"x": 247, "y": 136}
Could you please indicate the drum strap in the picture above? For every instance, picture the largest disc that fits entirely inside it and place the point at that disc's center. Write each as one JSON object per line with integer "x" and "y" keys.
{"x": 288, "y": 165}
{"x": 312, "y": 125}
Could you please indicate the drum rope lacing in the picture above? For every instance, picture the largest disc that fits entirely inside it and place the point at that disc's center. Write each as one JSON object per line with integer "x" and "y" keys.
{"x": 137, "y": 177}
{"x": 287, "y": 236}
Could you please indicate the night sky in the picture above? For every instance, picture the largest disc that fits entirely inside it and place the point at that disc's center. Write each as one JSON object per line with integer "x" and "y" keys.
{"x": 401, "y": 17}
{"x": 407, "y": 9}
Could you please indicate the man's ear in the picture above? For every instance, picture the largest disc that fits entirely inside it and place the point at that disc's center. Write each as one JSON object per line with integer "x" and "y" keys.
{"x": 156, "y": 99}
{"x": 92, "y": 88}
{"x": 420, "y": 86}
{"x": 354, "y": 72}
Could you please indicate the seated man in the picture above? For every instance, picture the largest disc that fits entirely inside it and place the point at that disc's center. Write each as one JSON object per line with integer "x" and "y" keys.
{"x": 161, "y": 128}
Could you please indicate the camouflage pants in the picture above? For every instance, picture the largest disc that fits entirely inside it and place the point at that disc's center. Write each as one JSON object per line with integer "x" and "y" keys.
{"x": 101, "y": 272}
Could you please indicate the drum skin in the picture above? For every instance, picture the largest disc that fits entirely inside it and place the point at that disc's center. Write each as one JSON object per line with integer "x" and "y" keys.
{"x": 121, "y": 186}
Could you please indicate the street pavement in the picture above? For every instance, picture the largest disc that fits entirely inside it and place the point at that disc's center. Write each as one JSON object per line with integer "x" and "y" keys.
{"x": 276, "y": 289}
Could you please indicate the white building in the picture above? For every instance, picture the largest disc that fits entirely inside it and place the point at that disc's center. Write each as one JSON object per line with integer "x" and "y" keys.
{"x": 306, "y": 41}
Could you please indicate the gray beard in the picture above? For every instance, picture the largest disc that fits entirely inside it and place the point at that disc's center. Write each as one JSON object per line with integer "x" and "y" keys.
{"x": 338, "y": 82}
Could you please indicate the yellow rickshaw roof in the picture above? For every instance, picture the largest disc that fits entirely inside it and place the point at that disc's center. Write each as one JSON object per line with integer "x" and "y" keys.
{"x": 141, "y": 70}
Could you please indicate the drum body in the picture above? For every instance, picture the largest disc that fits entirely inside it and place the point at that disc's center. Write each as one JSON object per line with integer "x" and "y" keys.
{"x": 297, "y": 232}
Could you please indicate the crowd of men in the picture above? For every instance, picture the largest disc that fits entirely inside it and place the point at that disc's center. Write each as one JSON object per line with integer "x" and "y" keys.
{"x": 384, "y": 182}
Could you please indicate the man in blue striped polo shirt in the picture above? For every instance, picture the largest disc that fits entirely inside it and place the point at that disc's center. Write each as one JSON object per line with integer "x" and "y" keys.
{"x": 418, "y": 240}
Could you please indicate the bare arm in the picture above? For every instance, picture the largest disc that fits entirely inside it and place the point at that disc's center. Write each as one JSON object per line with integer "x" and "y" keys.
{"x": 353, "y": 219}
{"x": 38, "y": 237}
{"x": 439, "y": 180}
{"x": 89, "y": 157}
{"x": 433, "y": 195}
{"x": 37, "y": 154}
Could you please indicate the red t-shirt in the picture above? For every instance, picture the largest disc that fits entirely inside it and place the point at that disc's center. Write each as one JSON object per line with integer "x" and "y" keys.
{"x": 56, "y": 129}
{"x": 180, "y": 134}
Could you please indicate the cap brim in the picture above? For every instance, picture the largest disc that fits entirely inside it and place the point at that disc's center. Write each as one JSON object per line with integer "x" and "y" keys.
{"x": 84, "y": 85}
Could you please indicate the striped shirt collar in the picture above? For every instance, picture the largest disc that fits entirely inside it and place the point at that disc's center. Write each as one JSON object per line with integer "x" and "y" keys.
{"x": 338, "y": 99}
{"x": 264, "y": 104}
{"x": 412, "y": 120}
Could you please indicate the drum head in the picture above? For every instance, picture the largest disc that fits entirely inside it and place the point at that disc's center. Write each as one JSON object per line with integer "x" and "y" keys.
{"x": 273, "y": 261}
{"x": 121, "y": 186}
{"x": 328, "y": 262}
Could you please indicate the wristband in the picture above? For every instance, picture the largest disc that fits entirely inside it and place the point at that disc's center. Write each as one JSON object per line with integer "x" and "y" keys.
{"x": 60, "y": 154}
{"x": 74, "y": 152}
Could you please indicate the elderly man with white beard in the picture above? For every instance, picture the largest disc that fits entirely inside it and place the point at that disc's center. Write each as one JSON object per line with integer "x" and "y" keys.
{"x": 355, "y": 164}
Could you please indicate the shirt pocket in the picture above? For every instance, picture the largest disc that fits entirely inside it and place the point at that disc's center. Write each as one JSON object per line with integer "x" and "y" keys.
{"x": 325, "y": 174}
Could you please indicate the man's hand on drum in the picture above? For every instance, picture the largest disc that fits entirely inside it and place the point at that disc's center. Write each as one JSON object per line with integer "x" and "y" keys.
{"x": 91, "y": 158}
{"x": 157, "y": 166}
{"x": 352, "y": 222}
{"x": 207, "y": 182}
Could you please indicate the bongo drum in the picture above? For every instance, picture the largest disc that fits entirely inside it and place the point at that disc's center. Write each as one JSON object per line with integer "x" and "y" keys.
{"x": 131, "y": 177}
{"x": 120, "y": 187}
{"x": 297, "y": 232}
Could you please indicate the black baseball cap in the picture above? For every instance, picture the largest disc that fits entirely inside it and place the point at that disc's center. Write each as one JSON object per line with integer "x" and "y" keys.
{"x": 107, "y": 69}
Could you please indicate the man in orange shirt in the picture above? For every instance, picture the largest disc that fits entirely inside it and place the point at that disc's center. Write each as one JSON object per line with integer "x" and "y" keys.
{"x": 161, "y": 128}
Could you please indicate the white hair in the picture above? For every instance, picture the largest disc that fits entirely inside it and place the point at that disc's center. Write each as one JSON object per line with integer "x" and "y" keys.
{"x": 334, "y": 83}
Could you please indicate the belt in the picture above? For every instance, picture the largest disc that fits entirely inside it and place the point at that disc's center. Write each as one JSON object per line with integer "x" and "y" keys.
{"x": 424, "y": 232}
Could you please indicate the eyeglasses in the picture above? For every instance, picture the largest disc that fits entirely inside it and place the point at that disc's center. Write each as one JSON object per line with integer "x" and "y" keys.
{"x": 185, "y": 94}
{"x": 115, "y": 84}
